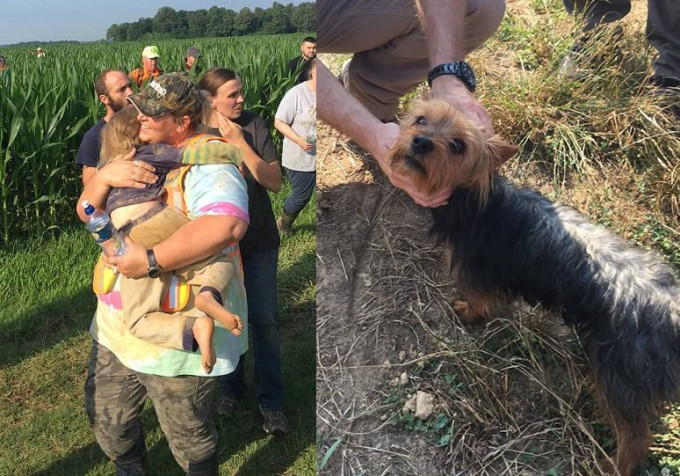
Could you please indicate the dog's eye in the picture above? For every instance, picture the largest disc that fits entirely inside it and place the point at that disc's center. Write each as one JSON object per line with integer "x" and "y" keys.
{"x": 421, "y": 121}
{"x": 456, "y": 146}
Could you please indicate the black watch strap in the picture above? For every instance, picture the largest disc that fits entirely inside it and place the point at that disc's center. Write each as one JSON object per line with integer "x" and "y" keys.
{"x": 154, "y": 270}
{"x": 460, "y": 69}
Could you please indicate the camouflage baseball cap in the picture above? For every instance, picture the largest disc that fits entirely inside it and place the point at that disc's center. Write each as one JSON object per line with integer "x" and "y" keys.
{"x": 165, "y": 94}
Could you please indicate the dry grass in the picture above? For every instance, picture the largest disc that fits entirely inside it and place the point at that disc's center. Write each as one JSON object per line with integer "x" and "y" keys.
{"x": 513, "y": 397}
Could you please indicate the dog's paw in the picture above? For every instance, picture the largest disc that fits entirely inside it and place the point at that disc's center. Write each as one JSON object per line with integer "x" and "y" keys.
{"x": 466, "y": 313}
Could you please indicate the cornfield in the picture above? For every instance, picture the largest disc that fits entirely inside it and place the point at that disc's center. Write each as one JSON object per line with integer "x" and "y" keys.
{"x": 47, "y": 104}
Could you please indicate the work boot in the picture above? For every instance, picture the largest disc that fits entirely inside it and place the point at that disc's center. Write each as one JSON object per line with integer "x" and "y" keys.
{"x": 226, "y": 406}
{"x": 132, "y": 463}
{"x": 210, "y": 466}
{"x": 134, "y": 468}
{"x": 275, "y": 422}
{"x": 668, "y": 90}
{"x": 285, "y": 223}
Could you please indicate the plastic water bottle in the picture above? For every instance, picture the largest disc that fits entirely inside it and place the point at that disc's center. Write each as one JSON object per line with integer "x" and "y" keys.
{"x": 102, "y": 229}
{"x": 311, "y": 138}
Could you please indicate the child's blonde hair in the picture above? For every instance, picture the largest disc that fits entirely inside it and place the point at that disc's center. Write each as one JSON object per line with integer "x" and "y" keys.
{"x": 119, "y": 135}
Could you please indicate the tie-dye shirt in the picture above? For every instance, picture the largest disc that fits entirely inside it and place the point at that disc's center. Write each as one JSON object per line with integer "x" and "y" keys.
{"x": 208, "y": 190}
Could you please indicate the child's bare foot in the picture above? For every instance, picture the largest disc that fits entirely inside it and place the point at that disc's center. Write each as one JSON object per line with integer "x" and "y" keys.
{"x": 203, "y": 330}
{"x": 206, "y": 302}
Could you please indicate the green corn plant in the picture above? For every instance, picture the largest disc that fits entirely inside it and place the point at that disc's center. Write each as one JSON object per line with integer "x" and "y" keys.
{"x": 47, "y": 105}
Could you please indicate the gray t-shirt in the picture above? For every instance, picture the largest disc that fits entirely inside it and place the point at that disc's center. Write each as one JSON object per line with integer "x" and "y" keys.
{"x": 298, "y": 110}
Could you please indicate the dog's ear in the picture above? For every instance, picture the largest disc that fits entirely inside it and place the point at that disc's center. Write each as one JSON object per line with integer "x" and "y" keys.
{"x": 499, "y": 151}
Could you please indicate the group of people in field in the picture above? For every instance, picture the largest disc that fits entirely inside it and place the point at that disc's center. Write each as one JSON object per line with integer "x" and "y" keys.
{"x": 4, "y": 64}
{"x": 185, "y": 171}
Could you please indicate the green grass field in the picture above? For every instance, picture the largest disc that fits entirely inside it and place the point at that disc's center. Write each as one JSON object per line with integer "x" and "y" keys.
{"x": 47, "y": 308}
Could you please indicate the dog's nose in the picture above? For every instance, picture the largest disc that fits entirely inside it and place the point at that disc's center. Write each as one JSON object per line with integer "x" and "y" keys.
{"x": 421, "y": 144}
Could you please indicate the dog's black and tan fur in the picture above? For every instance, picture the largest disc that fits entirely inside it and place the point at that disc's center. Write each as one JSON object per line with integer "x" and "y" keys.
{"x": 509, "y": 242}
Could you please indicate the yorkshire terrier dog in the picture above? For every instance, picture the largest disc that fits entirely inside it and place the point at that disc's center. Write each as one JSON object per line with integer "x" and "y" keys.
{"x": 508, "y": 243}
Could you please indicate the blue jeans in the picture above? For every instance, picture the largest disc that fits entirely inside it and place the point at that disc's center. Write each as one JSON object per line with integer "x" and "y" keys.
{"x": 302, "y": 184}
{"x": 260, "y": 271}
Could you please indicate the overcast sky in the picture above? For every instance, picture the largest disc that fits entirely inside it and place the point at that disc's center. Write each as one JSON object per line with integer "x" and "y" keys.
{"x": 87, "y": 20}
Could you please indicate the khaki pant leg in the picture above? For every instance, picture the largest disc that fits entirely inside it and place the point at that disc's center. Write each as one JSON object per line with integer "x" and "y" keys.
{"x": 215, "y": 272}
{"x": 141, "y": 298}
{"x": 663, "y": 32}
{"x": 159, "y": 227}
{"x": 390, "y": 53}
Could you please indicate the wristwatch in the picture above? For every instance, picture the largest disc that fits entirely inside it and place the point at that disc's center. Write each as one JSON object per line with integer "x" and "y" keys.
{"x": 460, "y": 69}
{"x": 154, "y": 270}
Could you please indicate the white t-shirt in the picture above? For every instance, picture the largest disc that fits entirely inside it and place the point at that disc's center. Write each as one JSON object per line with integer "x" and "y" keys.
{"x": 298, "y": 110}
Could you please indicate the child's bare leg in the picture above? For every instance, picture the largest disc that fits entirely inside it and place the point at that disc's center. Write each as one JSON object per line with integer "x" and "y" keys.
{"x": 203, "y": 330}
{"x": 206, "y": 302}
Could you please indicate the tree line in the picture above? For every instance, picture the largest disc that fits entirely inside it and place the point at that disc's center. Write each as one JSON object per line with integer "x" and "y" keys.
{"x": 218, "y": 22}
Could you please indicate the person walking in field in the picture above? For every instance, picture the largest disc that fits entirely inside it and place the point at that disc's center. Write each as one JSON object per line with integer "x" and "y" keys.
{"x": 150, "y": 68}
{"x": 296, "y": 120}
{"x": 113, "y": 88}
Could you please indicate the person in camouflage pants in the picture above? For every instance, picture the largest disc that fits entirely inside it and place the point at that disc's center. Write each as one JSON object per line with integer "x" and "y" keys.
{"x": 123, "y": 369}
{"x": 183, "y": 406}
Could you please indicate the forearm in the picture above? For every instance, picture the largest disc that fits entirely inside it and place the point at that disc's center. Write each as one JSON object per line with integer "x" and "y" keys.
{"x": 347, "y": 115}
{"x": 88, "y": 173}
{"x": 287, "y": 131}
{"x": 199, "y": 239}
{"x": 118, "y": 173}
{"x": 444, "y": 28}
{"x": 95, "y": 191}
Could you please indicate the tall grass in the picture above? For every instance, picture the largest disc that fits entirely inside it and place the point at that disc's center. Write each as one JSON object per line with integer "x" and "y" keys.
{"x": 47, "y": 308}
{"x": 47, "y": 105}
{"x": 607, "y": 112}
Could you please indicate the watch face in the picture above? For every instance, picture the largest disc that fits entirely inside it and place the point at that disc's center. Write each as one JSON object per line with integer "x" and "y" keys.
{"x": 153, "y": 271}
{"x": 466, "y": 74}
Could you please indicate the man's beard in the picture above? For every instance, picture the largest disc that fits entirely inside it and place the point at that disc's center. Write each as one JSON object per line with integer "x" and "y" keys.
{"x": 117, "y": 105}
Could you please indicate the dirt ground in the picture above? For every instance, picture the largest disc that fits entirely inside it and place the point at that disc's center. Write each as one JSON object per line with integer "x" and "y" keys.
{"x": 376, "y": 270}
{"x": 386, "y": 329}
{"x": 510, "y": 398}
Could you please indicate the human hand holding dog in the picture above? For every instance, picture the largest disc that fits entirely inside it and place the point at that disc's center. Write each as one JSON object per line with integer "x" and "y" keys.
{"x": 430, "y": 200}
{"x": 385, "y": 139}
{"x": 452, "y": 90}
